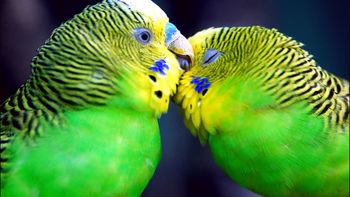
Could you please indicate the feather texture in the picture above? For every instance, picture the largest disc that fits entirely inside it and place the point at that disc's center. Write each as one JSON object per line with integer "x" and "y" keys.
{"x": 87, "y": 116}
{"x": 276, "y": 122}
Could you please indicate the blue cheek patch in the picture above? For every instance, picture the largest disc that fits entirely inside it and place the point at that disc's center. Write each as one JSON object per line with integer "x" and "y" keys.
{"x": 170, "y": 30}
{"x": 201, "y": 83}
{"x": 159, "y": 67}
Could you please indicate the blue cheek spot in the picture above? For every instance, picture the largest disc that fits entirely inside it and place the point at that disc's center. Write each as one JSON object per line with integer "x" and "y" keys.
{"x": 159, "y": 67}
{"x": 201, "y": 83}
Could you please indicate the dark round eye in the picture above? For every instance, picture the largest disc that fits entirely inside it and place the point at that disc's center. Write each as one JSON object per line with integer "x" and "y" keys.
{"x": 142, "y": 35}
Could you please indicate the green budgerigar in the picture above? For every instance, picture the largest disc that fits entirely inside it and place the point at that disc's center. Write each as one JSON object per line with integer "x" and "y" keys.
{"x": 276, "y": 122}
{"x": 85, "y": 122}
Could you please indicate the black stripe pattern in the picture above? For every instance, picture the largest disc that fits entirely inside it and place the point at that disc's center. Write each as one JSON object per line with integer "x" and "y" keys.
{"x": 73, "y": 69}
{"x": 284, "y": 69}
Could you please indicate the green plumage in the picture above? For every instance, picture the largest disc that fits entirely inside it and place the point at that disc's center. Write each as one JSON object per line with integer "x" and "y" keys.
{"x": 276, "y": 123}
{"x": 85, "y": 122}
{"x": 111, "y": 159}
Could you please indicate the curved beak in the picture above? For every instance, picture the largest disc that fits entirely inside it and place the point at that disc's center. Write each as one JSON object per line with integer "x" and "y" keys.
{"x": 180, "y": 46}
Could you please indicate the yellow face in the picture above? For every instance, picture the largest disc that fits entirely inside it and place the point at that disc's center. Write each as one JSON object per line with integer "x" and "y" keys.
{"x": 122, "y": 48}
{"x": 227, "y": 59}
{"x": 212, "y": 53}
{"x": 198, "y": 81}
{"x": 214, "y": 62}
{"x": 155, "y": 46}
{"x": 206, "y": 63}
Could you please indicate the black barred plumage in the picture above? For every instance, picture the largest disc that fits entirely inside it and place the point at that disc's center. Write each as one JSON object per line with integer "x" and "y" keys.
{"x": 78, "y": 66}
{"x": 275, "y": 122}
{"x": 294, "y": 68}
{"x": 289, "y": 73}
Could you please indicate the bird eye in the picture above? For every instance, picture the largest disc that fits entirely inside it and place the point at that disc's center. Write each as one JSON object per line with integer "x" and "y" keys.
{"x": 143, "y": 35}
{"x": 210, "y": 56}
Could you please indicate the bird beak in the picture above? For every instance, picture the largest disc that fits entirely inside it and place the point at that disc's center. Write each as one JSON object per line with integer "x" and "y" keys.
{"x": 183, "y": 51}
{"x": 180, "y": 46}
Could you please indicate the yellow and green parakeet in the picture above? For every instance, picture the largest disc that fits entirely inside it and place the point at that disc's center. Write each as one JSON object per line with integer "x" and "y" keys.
{"x": 276, "y": 122}
{"x": 85, "y": 122}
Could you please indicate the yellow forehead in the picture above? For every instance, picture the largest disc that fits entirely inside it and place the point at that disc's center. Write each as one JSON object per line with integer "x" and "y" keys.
{"x": 198, "y": 40}
{"x": 146, "y": 7}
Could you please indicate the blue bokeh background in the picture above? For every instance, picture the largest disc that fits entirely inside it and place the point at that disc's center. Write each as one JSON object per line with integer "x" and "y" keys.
{"x": 186, "y": 168}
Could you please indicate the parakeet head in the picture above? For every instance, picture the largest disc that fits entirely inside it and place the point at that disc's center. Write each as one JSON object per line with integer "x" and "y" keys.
{"x": 224, "y": 54}
{"x": 117, "y": 47}
{"x": 210, "y": 50}
{"x": 214, "y": 56}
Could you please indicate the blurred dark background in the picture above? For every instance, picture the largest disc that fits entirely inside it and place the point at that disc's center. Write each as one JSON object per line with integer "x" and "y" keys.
{"x": 186, "y": 168}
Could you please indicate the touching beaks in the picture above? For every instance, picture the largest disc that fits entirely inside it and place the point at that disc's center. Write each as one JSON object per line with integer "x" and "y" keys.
{"x": 180, "y": 46}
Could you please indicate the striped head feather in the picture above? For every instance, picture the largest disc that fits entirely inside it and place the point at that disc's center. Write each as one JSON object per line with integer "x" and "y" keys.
{"x": 275, "y": 63}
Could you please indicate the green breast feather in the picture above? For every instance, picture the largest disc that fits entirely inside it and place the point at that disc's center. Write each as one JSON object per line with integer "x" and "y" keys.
{"x": 276, "y": 122}
{"x": 85, "y": 122}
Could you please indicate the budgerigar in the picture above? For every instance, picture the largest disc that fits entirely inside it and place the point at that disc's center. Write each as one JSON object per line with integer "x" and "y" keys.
{"x": 85, "y": 123}
{"x": 276, "y": 122}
